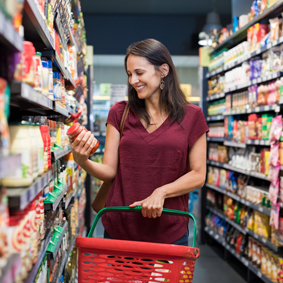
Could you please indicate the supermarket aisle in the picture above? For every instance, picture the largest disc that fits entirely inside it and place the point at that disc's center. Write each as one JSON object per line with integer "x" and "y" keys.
{"x": 210, "y": 268}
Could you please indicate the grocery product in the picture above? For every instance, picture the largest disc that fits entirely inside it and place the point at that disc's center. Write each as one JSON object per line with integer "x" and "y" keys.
{"x": 75, "y": 130}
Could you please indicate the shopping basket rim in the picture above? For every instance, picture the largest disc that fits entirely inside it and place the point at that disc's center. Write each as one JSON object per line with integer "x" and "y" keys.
{"x": 126, "y": 246}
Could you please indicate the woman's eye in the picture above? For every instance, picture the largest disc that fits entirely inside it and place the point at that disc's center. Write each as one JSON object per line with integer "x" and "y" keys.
{"x": 139, "y": 74}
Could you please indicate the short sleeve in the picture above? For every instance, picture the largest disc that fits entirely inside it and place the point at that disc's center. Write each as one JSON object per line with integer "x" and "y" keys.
{"x": 115, "y": 114}
{"x": 199, "y": 127}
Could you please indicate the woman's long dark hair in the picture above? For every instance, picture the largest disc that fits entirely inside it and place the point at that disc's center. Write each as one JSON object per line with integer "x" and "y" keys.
{"x": 172, "y": 100}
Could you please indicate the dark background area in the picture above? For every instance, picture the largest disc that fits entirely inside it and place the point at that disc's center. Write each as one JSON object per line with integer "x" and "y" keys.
{"x": 112, "y": 25}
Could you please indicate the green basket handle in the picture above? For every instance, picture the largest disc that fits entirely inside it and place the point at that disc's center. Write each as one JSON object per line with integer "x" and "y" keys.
{"x": 139, "y": 209}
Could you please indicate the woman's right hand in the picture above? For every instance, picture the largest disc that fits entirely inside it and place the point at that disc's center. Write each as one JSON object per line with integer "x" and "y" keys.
{"x": 82, "y": 147}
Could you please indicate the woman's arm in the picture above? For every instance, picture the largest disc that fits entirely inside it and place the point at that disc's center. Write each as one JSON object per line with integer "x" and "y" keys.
{"x": 195, "y": 179}
{"x": 82, "y": 147}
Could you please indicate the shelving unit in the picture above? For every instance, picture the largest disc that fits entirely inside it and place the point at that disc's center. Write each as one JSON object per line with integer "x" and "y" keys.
{"x": 235, "y": 169}
{"x": 259, "y": 208}
{"x": 9, "y": 164}
{"x": 276, "y": 109}
{"x": 25, "y": 100}
{"x": 43, "y": 248}
{"x": 244, "y": 261}
{"x": 19, "y": 198}
{"x": 8, "y": 35}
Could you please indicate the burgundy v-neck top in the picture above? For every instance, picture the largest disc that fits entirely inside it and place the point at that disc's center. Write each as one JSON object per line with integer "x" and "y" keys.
{"x": 146, "y": 162}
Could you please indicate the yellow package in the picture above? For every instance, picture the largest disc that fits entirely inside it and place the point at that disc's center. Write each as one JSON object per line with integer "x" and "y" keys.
{"x": 273, "y": 267}
{"x": 268, "y": 263}
{"x": 280, "y": 266}
{"x": 263, "y": 260}
{"x": 266, "y": 155}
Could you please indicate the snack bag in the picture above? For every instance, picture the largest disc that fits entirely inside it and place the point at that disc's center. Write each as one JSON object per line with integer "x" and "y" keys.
{"x": 274, "y": 215}
{"x": 273, "y": 173}
{"x": 274, "y": 155}
{"x": 273, "y": 191}
{"x": 276, "y": 129}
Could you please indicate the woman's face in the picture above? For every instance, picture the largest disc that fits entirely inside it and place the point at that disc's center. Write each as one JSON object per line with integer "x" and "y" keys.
{"x": 143, "y": 77}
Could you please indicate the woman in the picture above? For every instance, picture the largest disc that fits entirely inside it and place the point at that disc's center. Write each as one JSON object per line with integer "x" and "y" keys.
{"x": 162, "y": 153}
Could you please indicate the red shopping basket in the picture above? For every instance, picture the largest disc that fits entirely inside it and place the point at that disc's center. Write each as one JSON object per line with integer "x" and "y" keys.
{"x": 112, "y": 261}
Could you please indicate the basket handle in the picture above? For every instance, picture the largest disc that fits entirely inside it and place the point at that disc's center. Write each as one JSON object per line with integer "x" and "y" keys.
{"x": 139, "y": 209}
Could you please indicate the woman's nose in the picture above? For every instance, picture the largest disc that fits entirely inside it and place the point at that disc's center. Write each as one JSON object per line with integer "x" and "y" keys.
{"x": 133, "y": 79}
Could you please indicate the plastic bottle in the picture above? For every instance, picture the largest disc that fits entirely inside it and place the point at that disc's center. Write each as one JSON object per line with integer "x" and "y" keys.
{"x": 40, "y": 149}
{"x": 45, "y": 77}
{"x": 75, "y": 130}
{"x": 21, "y": 144}
{"x": 50, "y": 80}
{"x": 37, "y": 71}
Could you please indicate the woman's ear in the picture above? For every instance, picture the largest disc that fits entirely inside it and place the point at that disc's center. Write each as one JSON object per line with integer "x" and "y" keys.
{"x": 164, "y": 68}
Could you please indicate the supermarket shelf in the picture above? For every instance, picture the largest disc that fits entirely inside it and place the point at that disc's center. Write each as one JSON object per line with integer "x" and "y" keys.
{"x": 263, "y": 240}
{"x": 68, "y": 200}
{"x": 51, "y": 256}
{"x": 53, "y": 206}
{"x": 250, "y": 266}
{"x": 238, "y": 36}
{"x": 259, "y": 208}
{"x": 39, "y": 25}
{"x": 8, "y": 164}
{"x": 27, "y": 93}
{"x": 58, "y": 63}
{"x": 222, "y": 242}
{"x": 73, "y": 40}
{"x": 80, "y": 66}
{"x": 215, "y": 118}
{"x": 215, "y": 96}
{"x": 59, "y": 109}
{"x": 232, "y": 168}
{"x": 245, "y": 231}
{"x": 19, "y": 198}
{"x": 258, "y": 109}
{"x": 258, "y": 142}
{"x": 11, "y": 268}
{"x": 60, "y": 30}
{"x": 215, "y": 139}
{"x": 63, "y": 261}
{"x": 235, "y": 144}
{"x": 244, "y": 58}
{"x": 59, "y": 153}
{"x": 8, "y": 35}
{"x": 34, "y": 270}
{"x": 231, "y": 222}
{"x": 254, "y": 81}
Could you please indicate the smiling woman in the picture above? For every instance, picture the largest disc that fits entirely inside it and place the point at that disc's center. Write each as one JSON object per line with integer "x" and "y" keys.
{"x": 161, "y": 155}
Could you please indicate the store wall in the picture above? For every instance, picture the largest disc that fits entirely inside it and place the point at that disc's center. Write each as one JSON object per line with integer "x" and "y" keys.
{"x": 112, "y": 34}
{"x": 241, "y": 7}
{"x": 117, "y": 75}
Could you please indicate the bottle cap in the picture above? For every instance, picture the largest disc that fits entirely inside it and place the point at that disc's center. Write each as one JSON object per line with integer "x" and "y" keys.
{"x": 73, "y": 129}
{"x": 44, "y": 64}
{"x": 38, "y": 53}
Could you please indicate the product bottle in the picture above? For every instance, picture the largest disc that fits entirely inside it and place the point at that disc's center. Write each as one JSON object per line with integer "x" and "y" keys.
{"x": 50, "y": 80}
{"x": 20, "y": 143}
{"x": 40, "y": 149}
{"x": 45, "y": 78}
{"x": 37, "y": 71}
{"x": 75, "y": 130}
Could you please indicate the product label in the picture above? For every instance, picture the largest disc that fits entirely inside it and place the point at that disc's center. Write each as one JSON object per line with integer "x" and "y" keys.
{"x": 25, "y": 171}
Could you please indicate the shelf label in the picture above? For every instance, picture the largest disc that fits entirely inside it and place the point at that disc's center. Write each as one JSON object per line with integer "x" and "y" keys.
{"x": 256, "y": 236}
{"x": 264, "y": 240}
{"x": 260, "y": 208}
{"x": 216, "y": 236}
{"x": 258, "y": 51}
{"x": 259, "y": 274}
{"x": 256, "y": 141}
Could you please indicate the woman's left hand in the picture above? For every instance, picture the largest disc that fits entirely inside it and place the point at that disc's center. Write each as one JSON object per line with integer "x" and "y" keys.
{"x": 152, "y": 206}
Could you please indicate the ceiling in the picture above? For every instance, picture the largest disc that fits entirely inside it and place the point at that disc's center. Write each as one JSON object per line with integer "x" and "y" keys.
{"x": 155, "y": 7}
